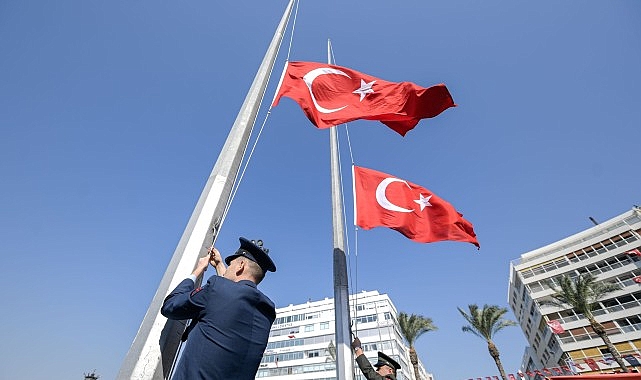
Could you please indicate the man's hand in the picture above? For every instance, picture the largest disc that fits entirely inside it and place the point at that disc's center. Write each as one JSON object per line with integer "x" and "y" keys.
{"x": 214, "y": 257}
{"x": 356, "y": 343}
{"x": 201, "y": 267}
{"x": 216, "y": 261}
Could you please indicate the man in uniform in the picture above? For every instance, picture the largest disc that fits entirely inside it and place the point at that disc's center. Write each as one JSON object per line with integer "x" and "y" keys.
{"x": 231, "y": 318}
{"x": 385, "y": 367}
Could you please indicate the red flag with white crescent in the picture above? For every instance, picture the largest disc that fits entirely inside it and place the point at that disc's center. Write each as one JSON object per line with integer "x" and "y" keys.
{"x": 331, "y": 95}
{"x": 383, "y": 200}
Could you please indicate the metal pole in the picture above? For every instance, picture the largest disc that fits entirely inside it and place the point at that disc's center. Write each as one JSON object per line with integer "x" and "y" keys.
{"x": 156, "y": 344}
{"x": 344, "y": 356}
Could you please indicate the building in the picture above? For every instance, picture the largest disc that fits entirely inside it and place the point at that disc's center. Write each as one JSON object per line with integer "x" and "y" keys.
{"x": 302, "y": 343}
{"x": 611, "y": 251}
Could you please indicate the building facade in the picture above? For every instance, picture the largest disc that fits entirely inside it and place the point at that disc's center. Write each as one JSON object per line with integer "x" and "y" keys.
{"x": 611, "y": 251}
{"x": 302, "y": 343}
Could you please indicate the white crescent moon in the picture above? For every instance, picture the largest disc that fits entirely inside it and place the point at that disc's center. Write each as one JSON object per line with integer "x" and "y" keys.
{"x": 309, "y": 79}
{"x": 382, "y": 199}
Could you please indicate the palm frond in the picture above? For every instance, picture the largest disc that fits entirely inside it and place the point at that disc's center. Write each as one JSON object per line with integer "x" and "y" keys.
{"x": 582, "y": 292}
{"x": 414, "y": 325}
{"x": 486, "y": 321}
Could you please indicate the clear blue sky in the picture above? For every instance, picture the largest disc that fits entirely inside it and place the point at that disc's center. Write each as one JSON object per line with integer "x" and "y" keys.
{"x": 112, "y": 115}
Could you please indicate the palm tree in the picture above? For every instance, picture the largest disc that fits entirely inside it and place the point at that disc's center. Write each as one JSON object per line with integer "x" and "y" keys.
{"x": 413, "y": 326}
{"x": 485, "y": 323}
{"x": 583, "y": 293}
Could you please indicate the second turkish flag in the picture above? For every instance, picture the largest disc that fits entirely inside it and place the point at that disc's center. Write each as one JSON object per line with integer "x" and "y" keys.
{"x": 383, "y": 200}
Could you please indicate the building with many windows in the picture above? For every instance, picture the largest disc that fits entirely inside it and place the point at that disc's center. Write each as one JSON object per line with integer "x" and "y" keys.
{"x": 609, "y": 250}
{"x": 302, "y": 342}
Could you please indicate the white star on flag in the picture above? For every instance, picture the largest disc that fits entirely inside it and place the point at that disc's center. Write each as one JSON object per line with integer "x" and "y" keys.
{"x": 366, "y": 88}
{"x": 423, "y": 201}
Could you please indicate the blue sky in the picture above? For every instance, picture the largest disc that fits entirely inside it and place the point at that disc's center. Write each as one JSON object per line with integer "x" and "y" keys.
{"x": 112, "y": 115}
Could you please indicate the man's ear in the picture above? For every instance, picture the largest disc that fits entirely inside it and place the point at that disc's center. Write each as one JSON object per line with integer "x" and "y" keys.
{"x": 241, "y": 267}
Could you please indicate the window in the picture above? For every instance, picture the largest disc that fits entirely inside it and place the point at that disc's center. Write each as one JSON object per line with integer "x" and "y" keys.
{"x": 367, "y": 318}
{"x": 313, "y": 353}
{"x": 309, "y": 328}
{"x": 536, "y": 287}
{"x": 285, "y": 331}
{"x": 324, "y": 325}
{"x": 289, "y": 319}
{"x": 552, "y": 343}
{"x": 629, "y": 321}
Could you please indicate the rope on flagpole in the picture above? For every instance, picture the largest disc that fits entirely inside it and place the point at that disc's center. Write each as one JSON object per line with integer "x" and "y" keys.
{"x": 355, "y": 267}
{"x": 351, "y": 156}
{"x": 291, "y": 37}
{"x": 260, "y": 131}
{"x": 236, "y": 185}
{"x": 354, "y": 289}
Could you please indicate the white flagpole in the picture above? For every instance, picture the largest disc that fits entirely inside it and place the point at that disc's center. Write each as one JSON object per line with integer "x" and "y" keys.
{"x": 156, "y": 345}
{"x": 344, "y": 356}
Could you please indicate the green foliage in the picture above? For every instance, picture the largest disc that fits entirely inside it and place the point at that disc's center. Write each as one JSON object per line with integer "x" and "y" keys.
{"x": 485, "y": 322}
{"x": 582, "y": 292}
{"x": 413, "y": 326}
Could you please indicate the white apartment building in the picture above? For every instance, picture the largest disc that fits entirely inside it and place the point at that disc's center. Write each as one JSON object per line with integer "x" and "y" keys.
{"x": 604, "y": 250}
{"x": 302, "y": 342}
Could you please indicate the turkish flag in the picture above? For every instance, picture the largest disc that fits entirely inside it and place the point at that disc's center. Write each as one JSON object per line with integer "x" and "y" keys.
{"x": 634, "y": 252}
{"x": 556, "y": 326}
{"x": 331, "y": 95}
{"x": 592, "y": 364}
{"x": 637, "y": 279}
{"x": 383, "y": 200}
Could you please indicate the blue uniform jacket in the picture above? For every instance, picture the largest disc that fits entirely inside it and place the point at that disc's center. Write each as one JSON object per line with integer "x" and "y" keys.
{"x": 234, "y": 319}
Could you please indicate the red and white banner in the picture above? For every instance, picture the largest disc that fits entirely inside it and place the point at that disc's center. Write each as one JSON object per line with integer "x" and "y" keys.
{"x": 556, "y": 326}
{"x": 634, "y": 252}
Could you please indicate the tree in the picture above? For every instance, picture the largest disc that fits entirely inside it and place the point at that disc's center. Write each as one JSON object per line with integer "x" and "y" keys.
{"x": 583, "y": 294}
{"x": 485, "y": 323}
{"x": 413, "y": 326}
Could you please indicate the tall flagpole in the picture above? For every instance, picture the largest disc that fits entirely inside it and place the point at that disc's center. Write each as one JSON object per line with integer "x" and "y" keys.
{"x": 157, "y": 342}
{"x": 344, "y": 357}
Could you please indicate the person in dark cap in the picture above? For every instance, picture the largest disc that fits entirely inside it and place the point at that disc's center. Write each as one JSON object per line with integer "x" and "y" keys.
{"x": 386, "y": 367}
{"x": 230, "y": 317}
